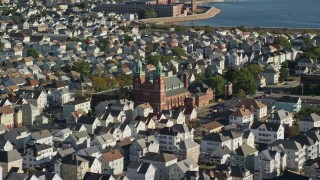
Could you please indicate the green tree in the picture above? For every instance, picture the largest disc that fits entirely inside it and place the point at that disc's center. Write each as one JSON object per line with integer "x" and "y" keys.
{"x": 32, "y": 52}
{"x": 147, "y": 13}
{"x": 217, "y": 83}
{"x": 240, "y": 93}
{"x": 66, "y": 68}
{"x": 99, "y": 84}
{"x": 208, "y": 72}
{"x": 154, "y": 59}
{"x": 104, "y": 44}
{"x": 179, "y": 52}
{"x": 255, "y": 69}
{"x": 241, "y": 79}
{"x": 127, "y": 38}
{"x": 280, "y": 40}
{"x": 306, "y": 111}
{"x": 82, "y": 67}
{"x": 284, "y": 71}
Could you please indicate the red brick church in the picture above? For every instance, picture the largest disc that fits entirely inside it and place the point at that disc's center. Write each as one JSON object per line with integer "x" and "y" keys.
{"x": 165, "y": 92}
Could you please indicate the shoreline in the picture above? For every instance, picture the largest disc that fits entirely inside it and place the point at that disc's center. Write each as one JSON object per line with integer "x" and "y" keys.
{"x": 211, "y": 12}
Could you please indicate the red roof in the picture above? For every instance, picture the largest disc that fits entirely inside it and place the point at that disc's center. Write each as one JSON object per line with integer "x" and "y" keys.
{"x": 113, "y": 155}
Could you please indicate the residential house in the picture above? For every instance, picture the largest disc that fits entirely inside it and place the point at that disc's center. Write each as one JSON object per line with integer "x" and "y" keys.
{"x": 40, "y": 137}
{"x": 46, "y": 175}
{"x": 295, "y": 151}
{"x": 30, "y": 114}
{"x": 309, "y": 122}
{"x": 79, "y": 140}
{"x": 267, "y": 133}
{"x": 169, "y": 137}
{"x": 312, "y": 168}
{"x": 162, "y": 161}
{"x": 142, "y": 110}
{"x": 244, "y": 156}
{"x": 281, "y": 117}
{"x": 141, "y": 170}
{"x": 90, "y": 122}
{"x": 104, "y": 141}
{"x": 6, "y": 145}
{"x": 90, "y": 175}
{"x": 38, "y": 155}
{"x": 221, "y": 155}
{"x": 176, "y": 116}
{"x": 17, "y": 136}
{"x": 259, "y": 109}
{"x": 311, "y": 144}
{"x": 7, "y": 115}
{"x": 242, "y": 116}
{"x": 73, "y": 106}
{"x": 212, "y": 127}
{"x": 62, "y": 134}
{"x": 288, "y": 103}
{"x": 211, "y": 142}
{"x": 36, "y": 98}
{"x": 187, "y": 149}
{"x": 272, "y": 74}
{"x": 71, "y": 167}
{"x": 269, "y": 164}
{"x": 178, "y": 170}
{"x": 8, "y": 160}
{"x": 141, "y": 147}
{"x": 112, "y": 162}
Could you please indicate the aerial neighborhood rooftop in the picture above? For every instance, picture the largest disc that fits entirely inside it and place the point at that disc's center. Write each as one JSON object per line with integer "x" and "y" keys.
{"x": 91, "y": 93}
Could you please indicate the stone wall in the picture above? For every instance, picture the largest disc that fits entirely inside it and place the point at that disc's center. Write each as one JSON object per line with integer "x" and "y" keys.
{"x": 208, "y": 14}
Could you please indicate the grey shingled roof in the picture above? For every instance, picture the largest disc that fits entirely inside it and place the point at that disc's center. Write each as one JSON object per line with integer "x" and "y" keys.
{"x": 311, "y": 118}
{"x": 9, "y": 156}
{"x": 244, "y": 150}
{"x": 160, "y": 157}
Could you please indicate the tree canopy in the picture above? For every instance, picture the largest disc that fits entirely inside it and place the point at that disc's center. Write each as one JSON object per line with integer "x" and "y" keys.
{"x": 218, "y": 84}
{"x": 284, "y": 71}
{"x": 179, "y": 52}
{"x": 241, "y": 79}
{"x": 82, "y": 67}
{"x": 255, "y": 69}
{"x": 32, "y": 52}
{"x": 280, "y": 40}
{"x": 147, "y": 13}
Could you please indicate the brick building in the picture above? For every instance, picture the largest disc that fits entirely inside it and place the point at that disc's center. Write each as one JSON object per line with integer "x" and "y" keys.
{"x": 164, "y": 92}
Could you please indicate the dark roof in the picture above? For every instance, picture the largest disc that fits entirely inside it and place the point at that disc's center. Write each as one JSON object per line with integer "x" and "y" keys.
{"x": 47, "y": 175}
{"x": 160, "y": 157}
{"x": 288, "y": 99}
{"x": 270, "y": 126}
{"x": 86, "y": 120}
{"x": 96, "y": 176}
{"x": 237, "y": 171}
{"x": 287, "y": 175}
{"x": 311, "y": 118}
{"x": 9, "y": 156}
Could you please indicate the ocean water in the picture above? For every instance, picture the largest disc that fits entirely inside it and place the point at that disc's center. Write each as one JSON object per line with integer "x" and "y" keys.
{"x": 264, "y": 13}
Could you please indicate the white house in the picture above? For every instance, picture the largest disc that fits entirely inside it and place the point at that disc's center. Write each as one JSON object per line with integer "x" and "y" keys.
{"x": 169, "y": 137}
{"x": 282, "y": 117}
{"x": 103, "y": 141}
{"x": 271, "y": 73}
{"x": 73, "y": 106}
{"x": 295, "y": 151}
{"x": 241, "y": 116}
{"x": 162, "y": 161}
{"x": 309, "y": 122}
{"x": 267, "y": 133}
{"x": 141, "y": 170}
{"x": 112, "y": 162}
{"x": 259, "y": 109}
{"x": 38, "y": 155}
{"x": 230, "y": 139}
{"x": 269, "y": 164}
{"x": 178, "y": 170}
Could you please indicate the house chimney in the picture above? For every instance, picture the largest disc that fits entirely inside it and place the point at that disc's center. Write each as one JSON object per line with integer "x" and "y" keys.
{"x": 185, "y": 80}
